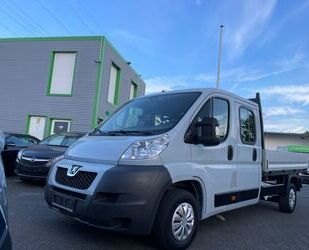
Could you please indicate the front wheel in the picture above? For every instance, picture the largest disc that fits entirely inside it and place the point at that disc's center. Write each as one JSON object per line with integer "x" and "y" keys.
{"x": 288, "y": 200}
{"x": 177, "y": 220}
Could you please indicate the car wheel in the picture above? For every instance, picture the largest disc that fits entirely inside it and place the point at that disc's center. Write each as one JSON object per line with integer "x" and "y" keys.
{"x": 177, "y": 220}
{"x": 288, "y": 200}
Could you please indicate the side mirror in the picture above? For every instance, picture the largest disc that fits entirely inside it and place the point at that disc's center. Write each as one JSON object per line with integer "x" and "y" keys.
{"x": 203, "y": 132}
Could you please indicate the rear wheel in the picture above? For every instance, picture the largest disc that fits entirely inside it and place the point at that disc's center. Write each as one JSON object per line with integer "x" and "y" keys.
{"x": 177, "y": 220}
{"x": 288, "y": 200}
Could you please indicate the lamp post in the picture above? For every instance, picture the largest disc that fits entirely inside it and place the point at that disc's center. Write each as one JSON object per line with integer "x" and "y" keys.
{"x": 219, "y": 56}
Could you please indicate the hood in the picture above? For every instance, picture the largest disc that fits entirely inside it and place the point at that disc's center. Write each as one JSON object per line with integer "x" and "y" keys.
{"x": 44, "y": 151}
{"x": 101, "y": 148}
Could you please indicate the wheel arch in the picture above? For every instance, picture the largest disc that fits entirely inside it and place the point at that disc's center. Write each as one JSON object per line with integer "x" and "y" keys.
{"x": 195, "y": 186}
{"x": 294, "y": 179}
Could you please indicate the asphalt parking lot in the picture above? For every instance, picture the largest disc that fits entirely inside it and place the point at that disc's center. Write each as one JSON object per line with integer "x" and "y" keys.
{"x": 34, "y": 226}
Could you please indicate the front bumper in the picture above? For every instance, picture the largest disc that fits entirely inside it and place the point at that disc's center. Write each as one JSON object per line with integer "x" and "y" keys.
{"x": 32, "y": 172}
{"x": 124, "y": 199}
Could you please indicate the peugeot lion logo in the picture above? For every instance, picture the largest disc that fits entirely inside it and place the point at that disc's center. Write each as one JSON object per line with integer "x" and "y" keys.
{"x": 73, "y": 170}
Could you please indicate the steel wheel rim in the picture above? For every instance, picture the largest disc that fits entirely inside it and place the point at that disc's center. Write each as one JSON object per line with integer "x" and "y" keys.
{"x": 183, "y": 221}
{"x": 292, "y": 197}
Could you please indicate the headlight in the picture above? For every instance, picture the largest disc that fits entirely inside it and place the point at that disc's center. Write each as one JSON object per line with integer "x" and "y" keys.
{"x": 54, "y": 160}
{"x": 308, "y": 171}
{"x": 140, "y": 150}
{"x": 19, "y": 155}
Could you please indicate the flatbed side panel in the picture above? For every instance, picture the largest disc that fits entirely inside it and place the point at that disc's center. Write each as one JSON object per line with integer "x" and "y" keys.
{"x": 284, "y": 161}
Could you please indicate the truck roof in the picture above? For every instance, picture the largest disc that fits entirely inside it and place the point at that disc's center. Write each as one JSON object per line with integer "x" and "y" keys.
{"x": 206, "y": 90}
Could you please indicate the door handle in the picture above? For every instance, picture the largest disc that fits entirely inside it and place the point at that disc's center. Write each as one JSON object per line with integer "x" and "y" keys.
{"x": 254, "y": 154}
{"x": 230, "y": 152}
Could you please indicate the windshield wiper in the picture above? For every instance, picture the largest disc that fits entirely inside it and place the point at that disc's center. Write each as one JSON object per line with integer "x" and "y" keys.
{"x": 97, "y": 131}
{"x": 128, "y": 132}
{"x": 119, "y": 132}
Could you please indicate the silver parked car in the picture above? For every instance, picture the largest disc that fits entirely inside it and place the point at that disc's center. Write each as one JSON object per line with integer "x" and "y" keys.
{"x": 5, "y": 238}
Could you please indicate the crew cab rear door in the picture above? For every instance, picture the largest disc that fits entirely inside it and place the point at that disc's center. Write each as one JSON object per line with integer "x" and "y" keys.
{"x": 249, "y": 152}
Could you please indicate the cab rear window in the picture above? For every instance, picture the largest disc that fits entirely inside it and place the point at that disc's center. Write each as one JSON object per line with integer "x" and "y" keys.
{"x": 247, "y": 126}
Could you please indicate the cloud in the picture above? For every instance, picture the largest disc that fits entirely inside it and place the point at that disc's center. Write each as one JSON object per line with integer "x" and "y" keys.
{"x": 284, "y": 128}
{"x": 277, "y": 111}
{"x": 298, "y": 9}
{"x": 253, "y": 73}
{"x": 158, "y": 84}
{"x": 236, "y": 75}
{"x": 292, "y": 125}
{"x": 300, "y": 129}
{"x": 291, "y": 93}
{"x": 254, "y": 18}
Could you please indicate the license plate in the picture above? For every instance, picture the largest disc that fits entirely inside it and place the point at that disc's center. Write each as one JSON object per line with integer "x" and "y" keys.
{"x": 65, "y": 203}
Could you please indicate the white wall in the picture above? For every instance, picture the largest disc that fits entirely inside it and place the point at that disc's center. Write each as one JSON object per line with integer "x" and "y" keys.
{"x": 274, "y": 140}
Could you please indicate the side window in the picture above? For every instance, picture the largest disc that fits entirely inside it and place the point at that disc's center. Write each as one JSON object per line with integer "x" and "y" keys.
{"x": 32, "y": 140}
{"x": 221, "y": 113}
{"x": 219, "y": 109}
{"x": 247, "y": 126}
{"x": 206, "y": 111}
{"x": 19, "y": 141}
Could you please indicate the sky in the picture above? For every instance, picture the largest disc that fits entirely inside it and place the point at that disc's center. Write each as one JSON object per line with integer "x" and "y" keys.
{"x": 173, "y": 44}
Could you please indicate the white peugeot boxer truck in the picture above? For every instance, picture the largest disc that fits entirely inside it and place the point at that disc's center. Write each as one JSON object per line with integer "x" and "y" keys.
{"x": 163, "y": 162}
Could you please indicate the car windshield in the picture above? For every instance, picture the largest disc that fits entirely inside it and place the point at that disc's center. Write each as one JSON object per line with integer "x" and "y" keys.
{"x": 149, "y": 115}
{"x": 60, "y": 140}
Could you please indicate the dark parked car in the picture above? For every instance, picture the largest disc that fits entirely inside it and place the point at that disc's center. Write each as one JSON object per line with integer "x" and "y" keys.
{"x": 33, "y": 163}
{"x": 5, "y": 238}
{"x": 13, "y": 144}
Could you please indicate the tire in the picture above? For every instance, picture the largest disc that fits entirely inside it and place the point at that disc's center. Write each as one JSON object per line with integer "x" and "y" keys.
{"x": 288, "y": 200}
{"x": 171, "y": 202}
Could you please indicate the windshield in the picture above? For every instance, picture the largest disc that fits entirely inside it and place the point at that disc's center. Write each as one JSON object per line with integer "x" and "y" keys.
{"x": 60, "y": 140}
{"x": 149, "y": 115}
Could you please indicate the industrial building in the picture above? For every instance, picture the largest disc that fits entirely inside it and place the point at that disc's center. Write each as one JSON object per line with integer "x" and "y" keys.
{"x": 59, "y": 84}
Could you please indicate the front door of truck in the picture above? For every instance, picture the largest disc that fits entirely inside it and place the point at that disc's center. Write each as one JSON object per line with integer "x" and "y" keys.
{"x": 218, "y": 162}
{"x": 249, "y": 152}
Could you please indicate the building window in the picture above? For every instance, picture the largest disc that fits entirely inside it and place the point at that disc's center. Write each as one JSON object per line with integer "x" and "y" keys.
{"x": 113, "y": 88}
{"x": 247, "y": 126}
{"x": 133, "y": 90}
{"x": 62, "y": 73}
{"x": 60, "y": 126}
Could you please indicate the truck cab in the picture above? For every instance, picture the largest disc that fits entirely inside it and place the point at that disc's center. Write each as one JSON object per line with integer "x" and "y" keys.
{"x": 163, "y": 162}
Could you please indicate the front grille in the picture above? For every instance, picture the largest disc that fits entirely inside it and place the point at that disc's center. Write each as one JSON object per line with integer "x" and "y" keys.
{"x": 82, "y": 179}
{"x": 33, "y": 161}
